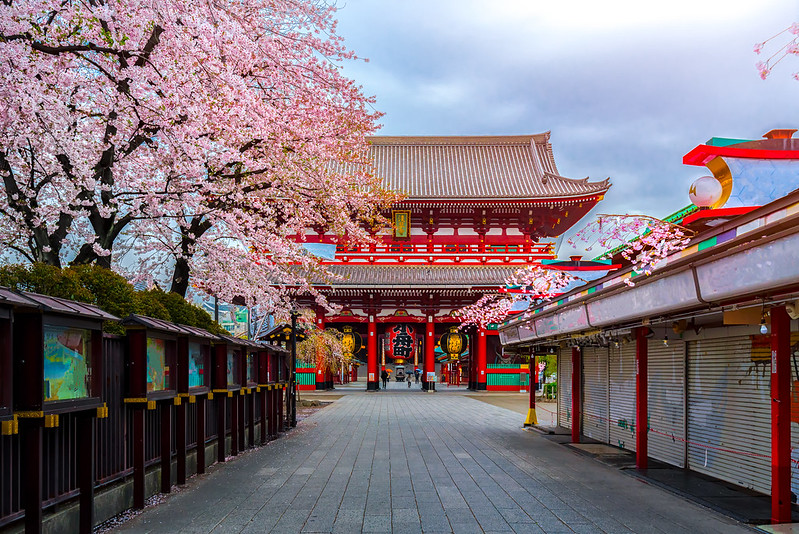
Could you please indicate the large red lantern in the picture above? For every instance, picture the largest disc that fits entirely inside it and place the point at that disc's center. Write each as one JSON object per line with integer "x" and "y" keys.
{"x": 401, "y": 342}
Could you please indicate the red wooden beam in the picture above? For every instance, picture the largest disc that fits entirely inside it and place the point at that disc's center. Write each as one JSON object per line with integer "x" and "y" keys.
{"x": 704, "y": 153}
{"x": 576, "y": 394}
{"x": 641, "y": 394}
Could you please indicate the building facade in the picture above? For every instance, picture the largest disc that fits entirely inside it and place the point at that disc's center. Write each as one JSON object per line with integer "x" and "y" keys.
{"x": 696, "y": 365}
{"x": 475, "y": 210}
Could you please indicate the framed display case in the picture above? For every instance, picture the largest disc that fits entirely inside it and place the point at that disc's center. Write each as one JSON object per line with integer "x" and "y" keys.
{"x": 194, "y": 361}
{"x": 252, "y": 364}
{"x": 152, "y": 358}
{"x": 8, "y": 301}
{"x": 57, "y": 347}
{"x": 229, "y": 366}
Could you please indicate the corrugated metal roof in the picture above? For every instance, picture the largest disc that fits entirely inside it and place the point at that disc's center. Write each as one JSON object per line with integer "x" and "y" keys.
{"x": 69, "y": 307}
{"x": 419, "y": 276}
{"x": 496, "y": 167}
{"x": 11, "y": 298}
{"x": 166, "y": 326}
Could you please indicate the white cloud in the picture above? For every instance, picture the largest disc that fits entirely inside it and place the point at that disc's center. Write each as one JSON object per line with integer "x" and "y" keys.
{"x": 626, "y": 87}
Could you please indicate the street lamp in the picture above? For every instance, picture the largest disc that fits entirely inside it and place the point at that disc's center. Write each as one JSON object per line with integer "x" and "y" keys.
{"x": 293, "y": 372}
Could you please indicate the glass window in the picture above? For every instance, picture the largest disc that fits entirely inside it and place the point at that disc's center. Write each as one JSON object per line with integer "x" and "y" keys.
{"x": 157, "y": 370}
{"x": 232, "y": 368}
{"x": 67, "y": 363}
{"x": 196, "y": 365}
{"x": 252, "y": 367}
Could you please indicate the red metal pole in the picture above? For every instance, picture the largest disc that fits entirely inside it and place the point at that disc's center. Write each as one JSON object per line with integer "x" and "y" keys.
{"x": 780, "y": 416}
{"x": 166, "y": 447}
{"x": 30, "y": 440}
{"x": 429, "y": 353}
{"x": 200, "y": 400}
{"x": 577, "y": 372}
{"x": 137, "y": 414}
{"x": 371, "y": 359}
{"x": 641, "y": 396}
{"x": 480, "y": 374}
{"x": 180, "y": 438}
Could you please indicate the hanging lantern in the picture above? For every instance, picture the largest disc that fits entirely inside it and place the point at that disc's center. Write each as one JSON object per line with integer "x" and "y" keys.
{"x": 401, "y": 343}
{"x": 350, "y": 342}
{"x": 453, "y": 343}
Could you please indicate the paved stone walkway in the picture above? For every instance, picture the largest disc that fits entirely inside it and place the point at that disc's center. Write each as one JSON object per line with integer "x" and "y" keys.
{"x": 400, "y": 461}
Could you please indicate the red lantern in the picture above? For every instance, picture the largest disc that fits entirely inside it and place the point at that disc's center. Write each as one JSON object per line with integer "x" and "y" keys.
{"x": 401, "y": 342}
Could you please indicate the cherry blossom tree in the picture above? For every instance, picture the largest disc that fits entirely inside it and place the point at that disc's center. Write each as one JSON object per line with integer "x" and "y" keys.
{"x": 204, "y": 136}
{"x": 646, "y": 240}
{"x": 532, "y": 283}
{"x": 322, "y": 348}
{"x": 780, "y": 46}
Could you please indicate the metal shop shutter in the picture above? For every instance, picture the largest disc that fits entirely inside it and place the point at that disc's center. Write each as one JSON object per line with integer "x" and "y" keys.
{"x": 622, "y": 395}
{"x": 565, "y": 389}
{"x": 667, "y": 402}
{"x": 728, "y": 409}
{"x": 595, "y": 393}
{"x": 794, "y": 412}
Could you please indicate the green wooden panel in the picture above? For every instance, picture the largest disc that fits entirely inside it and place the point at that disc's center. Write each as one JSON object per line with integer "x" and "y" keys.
{"x": 306, "y": 379}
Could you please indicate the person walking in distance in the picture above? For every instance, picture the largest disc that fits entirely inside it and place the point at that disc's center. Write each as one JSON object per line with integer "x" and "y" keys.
{"x": 384, "y": 376}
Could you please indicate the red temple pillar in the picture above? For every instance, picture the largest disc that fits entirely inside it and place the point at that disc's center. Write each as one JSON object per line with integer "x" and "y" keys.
{"x": 373, "y": 376}
{"x": 780, "y": 416}
{"x": 480, "y": 371}
{"x": 429, "y": 354}
{"x": 321, "y": 372}
{"x": 641, "y": 398}
{"x": 577, "y": 371}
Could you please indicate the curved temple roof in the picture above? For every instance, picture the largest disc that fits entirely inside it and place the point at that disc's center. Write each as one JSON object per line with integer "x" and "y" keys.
{"x": 479, "y": 167}
{"x": 426, "y": 276}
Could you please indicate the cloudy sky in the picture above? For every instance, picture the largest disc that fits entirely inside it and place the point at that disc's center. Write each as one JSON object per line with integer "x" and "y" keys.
{"x": 627, "y": 87}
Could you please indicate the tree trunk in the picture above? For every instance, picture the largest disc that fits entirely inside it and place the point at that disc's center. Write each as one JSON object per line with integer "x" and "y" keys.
{"x": 180, "y": 277}
{"x": 188, "y": 238}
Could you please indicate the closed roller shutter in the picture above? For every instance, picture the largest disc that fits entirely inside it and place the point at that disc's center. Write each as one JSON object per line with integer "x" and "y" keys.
{"x": 621, "y": 361}
{"x": 565, "y": 389}
{"x": 728, "y": 406}
{"x": 667, "y": 402}
{"x": 794, "y": 411}
{"x": 595, "y": 393}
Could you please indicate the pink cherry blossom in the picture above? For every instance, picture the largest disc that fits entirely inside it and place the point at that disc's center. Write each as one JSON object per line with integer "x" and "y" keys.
{"x": 781, "y": 48}
{"x": 183, "y": 142}
{"x": 538, "y": 284}
{"x": 644, "y": 241}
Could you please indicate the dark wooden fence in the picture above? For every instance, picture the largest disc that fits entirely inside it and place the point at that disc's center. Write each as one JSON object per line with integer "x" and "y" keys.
{"x": 113, "y": 440}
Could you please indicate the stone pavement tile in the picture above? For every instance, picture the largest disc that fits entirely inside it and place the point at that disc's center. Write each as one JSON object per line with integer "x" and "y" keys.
{"x": 403, "y": 502}
{"x": 514, "y": 515}
{"x": 377, "y": 523}
{"x": 527, "y": 528}
{"x": 570, "y": 516}
{"x": 434, "y": 521}
{"x": 291, "y": 521}
{"x": 457, "y": 463}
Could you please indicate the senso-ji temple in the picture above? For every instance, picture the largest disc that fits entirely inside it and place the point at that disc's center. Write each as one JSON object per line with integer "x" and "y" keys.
{"x": 475, "y": 210}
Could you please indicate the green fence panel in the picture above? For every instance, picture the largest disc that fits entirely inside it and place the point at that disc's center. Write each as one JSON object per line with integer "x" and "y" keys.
{"x": 306, "y": 379}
